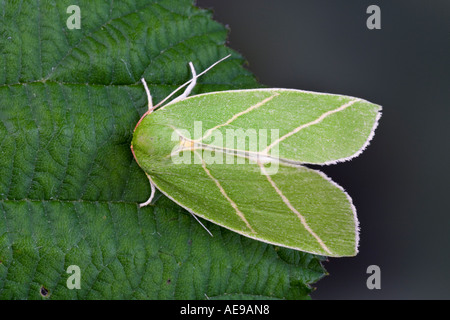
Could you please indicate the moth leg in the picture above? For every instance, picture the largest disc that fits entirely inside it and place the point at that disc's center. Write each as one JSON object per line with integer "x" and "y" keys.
{"x": 152, "y": 194}
{"x": 149, "y": 96}
{"x": 202, "y": 224}
{"x": 190, "y": 81}
{"x": 190, "y": 86}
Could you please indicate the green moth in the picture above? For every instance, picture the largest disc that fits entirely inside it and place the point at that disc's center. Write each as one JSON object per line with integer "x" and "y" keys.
{"x": 237, "y": 158}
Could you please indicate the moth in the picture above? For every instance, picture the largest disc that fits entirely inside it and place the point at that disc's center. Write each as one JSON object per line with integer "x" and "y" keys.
{"x": 239, "y": 159}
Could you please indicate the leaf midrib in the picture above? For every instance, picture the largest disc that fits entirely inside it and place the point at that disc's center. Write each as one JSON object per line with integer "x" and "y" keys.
{"x": 70, "y": 201}
{"x": 135, "y": 84}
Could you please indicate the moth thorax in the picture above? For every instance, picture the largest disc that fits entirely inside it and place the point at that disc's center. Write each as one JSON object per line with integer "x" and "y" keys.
{"x": 185, "y": 143}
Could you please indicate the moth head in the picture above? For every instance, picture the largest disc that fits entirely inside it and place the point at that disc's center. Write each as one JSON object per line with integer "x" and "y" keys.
{"x": 151, "y": 144}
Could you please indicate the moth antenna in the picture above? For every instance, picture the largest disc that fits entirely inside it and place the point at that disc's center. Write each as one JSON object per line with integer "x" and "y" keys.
{"x": 149, "y": 96}
{"x": 186, "y": 83}
{"x": 152, "y": 194}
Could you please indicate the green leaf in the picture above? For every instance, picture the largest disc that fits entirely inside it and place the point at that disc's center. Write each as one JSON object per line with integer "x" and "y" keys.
{"x": 69, "y": 186}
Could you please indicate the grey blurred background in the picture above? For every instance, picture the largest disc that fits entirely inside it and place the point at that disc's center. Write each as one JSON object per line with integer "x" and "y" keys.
{"x": 400, "y": 184}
